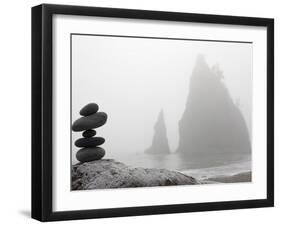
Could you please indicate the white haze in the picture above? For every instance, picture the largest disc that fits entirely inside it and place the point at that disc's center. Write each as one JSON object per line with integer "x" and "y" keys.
{"x": 132, "y": 79}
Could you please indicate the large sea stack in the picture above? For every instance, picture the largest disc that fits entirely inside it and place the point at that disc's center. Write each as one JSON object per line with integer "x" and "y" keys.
{"x": 211, "y": 122}
{"x": 160, "y": 144}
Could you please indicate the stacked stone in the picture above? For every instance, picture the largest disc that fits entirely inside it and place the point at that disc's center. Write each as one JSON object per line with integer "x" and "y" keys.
{"x": 89, "y": 144}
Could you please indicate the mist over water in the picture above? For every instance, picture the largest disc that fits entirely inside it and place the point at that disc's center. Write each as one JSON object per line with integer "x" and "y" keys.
{"x": 180, "y": 162}
{"x": 133, "y": 79}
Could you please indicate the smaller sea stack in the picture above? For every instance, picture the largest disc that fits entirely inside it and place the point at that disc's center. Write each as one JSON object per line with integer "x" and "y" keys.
{"x": 160, "y": 144}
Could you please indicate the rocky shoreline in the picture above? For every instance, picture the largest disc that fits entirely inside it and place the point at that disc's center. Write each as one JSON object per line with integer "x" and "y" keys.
{"x": 108, "y": 173}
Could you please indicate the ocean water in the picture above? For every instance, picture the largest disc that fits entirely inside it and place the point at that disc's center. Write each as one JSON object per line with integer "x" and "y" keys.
{"x": 199, "y": 166}
{"x": 222, "y": 170}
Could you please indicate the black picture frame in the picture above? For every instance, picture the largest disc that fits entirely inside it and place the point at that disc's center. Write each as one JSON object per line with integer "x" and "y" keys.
{"x": 42, "y": 106}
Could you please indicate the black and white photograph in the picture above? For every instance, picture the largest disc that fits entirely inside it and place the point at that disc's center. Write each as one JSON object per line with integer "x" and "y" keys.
{"x": 141, "y": 112}
{"x": 149, "y": 112}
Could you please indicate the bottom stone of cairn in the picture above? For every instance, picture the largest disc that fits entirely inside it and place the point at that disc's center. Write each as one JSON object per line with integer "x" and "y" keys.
{"x": 90, "y": 154}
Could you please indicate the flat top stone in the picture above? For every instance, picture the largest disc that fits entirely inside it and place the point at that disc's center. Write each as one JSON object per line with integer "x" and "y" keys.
{"x": 89, "y": 109}
{"x": 107, "y": 173}
{"x": 90, "y": 122}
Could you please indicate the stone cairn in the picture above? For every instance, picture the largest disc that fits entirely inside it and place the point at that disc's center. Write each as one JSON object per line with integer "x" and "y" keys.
{"x": 91, "y": 119}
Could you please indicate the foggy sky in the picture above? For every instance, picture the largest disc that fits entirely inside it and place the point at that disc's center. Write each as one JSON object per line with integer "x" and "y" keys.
{"x": 132, "y": 79}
